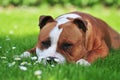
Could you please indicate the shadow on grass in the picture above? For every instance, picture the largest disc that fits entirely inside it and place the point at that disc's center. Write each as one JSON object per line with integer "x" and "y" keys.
{"x": 14, "y": 45}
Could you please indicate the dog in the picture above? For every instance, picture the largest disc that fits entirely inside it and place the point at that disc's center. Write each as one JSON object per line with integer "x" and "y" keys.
{"x": 74, "y": 37}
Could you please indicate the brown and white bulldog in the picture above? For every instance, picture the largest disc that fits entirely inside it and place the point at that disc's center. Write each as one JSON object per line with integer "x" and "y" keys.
{"x": 74, "y": 37}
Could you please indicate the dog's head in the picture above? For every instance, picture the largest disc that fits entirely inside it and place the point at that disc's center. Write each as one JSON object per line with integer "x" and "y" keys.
{"x": 62, "y": 39}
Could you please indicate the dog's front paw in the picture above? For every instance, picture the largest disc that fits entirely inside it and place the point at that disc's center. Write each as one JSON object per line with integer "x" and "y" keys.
{"x": 25, "y": 54}
{"x": 83, "y": 62}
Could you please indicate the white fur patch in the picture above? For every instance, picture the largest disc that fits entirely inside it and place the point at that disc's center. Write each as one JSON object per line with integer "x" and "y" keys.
{"x": 25, "y": 54}
{"x": 63, "y": 19}
{"x": 54, "y": 37}
{"x": 83, "y": 62}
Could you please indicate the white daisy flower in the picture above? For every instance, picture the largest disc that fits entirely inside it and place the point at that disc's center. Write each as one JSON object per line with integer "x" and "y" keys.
{"x": 52, "y": 65}
{"x": 34, "y": 58}
{"x": 38, "y": 72}
{"x": 11, "y": 64}
{"x": 24, "y": 63}
{"x": 3, "y": 57}
{"x": 36, "y": 62}
{"x": 17, "y": 58}
{"x": 23, "y": 68}
{"x": 13, "y": 47}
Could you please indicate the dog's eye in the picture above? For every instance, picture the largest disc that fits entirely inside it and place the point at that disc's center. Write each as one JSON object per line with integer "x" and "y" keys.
{"x": 46, "y": 44}
{"x": 66, "y": 46}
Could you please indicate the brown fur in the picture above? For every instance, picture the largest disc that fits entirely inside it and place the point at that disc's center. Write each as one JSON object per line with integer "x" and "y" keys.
{"x": 90, "y": 45}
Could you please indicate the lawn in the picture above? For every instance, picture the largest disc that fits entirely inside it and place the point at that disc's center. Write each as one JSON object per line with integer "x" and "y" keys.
{"x": 19, "y": 31}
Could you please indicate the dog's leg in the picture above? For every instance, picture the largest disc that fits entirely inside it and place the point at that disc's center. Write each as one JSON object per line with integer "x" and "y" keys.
{"x": 28, "y": 53}
{"x": 99, "y": 52}
{"x": 33, "y": 50}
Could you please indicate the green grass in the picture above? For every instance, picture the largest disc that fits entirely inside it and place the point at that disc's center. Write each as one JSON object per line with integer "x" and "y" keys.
{"x": 19, "y": 29}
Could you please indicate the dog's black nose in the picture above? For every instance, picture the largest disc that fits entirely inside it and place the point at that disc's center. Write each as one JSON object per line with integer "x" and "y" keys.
{"x": 52, "y": 60}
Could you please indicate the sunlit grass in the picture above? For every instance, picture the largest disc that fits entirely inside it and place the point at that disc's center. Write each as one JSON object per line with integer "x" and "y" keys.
{"x": 19, "y": 31}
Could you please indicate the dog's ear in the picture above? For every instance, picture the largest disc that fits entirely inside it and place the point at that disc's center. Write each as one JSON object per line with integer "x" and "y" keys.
{"x": 81, "y": 24}
{"x": 43, "y": 20}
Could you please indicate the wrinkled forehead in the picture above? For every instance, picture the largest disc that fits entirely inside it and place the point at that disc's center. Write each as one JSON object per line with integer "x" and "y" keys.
{"x": 61, "y": 20}
{"x": 52, "y": 30}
